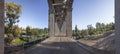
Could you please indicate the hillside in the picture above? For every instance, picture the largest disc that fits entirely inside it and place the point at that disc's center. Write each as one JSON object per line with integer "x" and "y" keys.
{"x": 103, "y": 42}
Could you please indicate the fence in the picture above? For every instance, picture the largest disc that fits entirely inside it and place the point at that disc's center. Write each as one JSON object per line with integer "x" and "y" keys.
{"x": 10, "y": 49}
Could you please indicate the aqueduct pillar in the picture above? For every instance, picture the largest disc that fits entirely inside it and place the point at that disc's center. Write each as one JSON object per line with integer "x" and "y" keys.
{"x": 60, "y": 17}
{"x": 117, "y": 26}
{"x": 1, "y": 27}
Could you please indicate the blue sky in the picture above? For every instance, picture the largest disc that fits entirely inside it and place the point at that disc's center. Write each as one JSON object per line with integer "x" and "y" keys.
{"x": 85, "y": 12}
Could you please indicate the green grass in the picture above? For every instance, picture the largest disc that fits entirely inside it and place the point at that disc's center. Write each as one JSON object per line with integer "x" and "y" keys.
{"x": 17, "y": 41}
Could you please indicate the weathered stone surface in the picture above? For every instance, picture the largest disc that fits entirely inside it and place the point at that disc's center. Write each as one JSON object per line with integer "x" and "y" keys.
{"x": 51, "y": 24}
{"x": 63, "y": 29}
{"x": 1, "y": 27}
{"x": 117, "y": 26}
{"x": 69, "y": 23}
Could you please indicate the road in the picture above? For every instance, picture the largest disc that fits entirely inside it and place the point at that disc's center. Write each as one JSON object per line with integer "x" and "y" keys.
{"x": 56, "y": 45}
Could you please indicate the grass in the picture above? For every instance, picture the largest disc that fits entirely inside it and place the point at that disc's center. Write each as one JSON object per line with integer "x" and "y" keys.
{"x": 17, "y": 41}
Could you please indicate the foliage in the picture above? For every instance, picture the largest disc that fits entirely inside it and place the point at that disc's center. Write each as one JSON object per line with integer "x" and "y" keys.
{"x": 45, "y": 31}
{"x": 16, "y": 31}
{"x": 91, "y": 31}
{"x": 17, "y": 41}
{"x": 28, "y": 31}
{"x": 8, "y": 39}
{"x": 12, "y": 31}
{"x": 76, "y": 31}
{"x": 83, "y": 33}
{"x": 12, "y": 14}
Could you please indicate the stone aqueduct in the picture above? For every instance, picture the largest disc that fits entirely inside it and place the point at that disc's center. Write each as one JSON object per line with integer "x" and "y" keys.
{"x": 60, "y": 17}
{"x": 68, "y": 17}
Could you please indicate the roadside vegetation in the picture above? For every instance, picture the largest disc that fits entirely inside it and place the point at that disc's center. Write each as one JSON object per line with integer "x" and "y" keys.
{"x": 91, "y": 31}
{"x": 15, "y": 35}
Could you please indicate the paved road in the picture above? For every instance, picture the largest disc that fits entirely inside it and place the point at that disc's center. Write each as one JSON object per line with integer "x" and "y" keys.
{"x": 56, "y": 45}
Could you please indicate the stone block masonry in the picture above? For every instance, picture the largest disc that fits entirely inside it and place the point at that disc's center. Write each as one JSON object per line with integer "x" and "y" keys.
{"x": 1, "y": 27}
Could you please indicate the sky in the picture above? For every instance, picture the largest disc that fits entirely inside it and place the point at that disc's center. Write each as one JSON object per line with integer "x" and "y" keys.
{"x": 85, "y": 12}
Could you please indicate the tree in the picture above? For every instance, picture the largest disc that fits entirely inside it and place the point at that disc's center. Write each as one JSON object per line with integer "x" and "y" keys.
{"x": 103, "y": 28}
{"x": 28, "y": 30}
{"x": 12, "y": 14}
{"x": 35, "y": 31}
{"x": 90, "y": 29}
{"x": 16, "y": 31}
{"x": 98, "y": 28}
{"x": 76, "y": 31}
{"x": 111, "y": 26}
{"x": 73, "y": 32}
{"x": 84, "y": 33}
{"x": 45, "y": 30}
{"x": 6, "y": 29}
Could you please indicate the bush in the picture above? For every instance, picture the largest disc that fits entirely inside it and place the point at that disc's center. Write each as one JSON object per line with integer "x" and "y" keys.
{"x": 17, "y": 41}
{"x": 8, "y": 38}
{"x": 89, "y": 37}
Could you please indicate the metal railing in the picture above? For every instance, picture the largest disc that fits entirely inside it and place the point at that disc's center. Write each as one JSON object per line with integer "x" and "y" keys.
{"x": 10, "y": 49}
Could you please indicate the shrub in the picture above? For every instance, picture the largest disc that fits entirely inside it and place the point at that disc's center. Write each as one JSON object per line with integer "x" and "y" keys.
{"x": 17, "y": 41}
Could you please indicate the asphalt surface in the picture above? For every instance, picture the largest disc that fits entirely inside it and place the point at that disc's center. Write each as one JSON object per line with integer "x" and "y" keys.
{"x": 57, "y": 45}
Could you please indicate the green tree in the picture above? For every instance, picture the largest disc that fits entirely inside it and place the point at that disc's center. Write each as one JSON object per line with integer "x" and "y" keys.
{"x": 90, "y": 30}
{"x": 98, "y": 28}
{"x": 45, "y": 30}
{"x": 28, "y": 30}
{"x": 84, "y": 33}
{"x": 35, "y": 31}
{"x": 110, "y": 26}
{"x": 12, "y": 14}
{"x": 6, "y": 29}
{"x": 76, "y": 31}
{"x": 16, "y": 31}
{"x": 103, "y": 28}
{"x": 73, "y": 32}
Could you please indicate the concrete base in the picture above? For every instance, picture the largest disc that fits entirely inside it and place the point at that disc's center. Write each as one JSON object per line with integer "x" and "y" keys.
{"x": 69, "y": 23}
{"x": 117, "y": 26}
{"x": 1, "y": 27}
